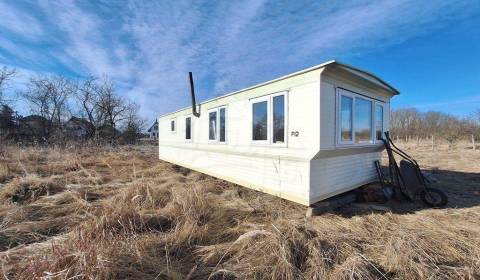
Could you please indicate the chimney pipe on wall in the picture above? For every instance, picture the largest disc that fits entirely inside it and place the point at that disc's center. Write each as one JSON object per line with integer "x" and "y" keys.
{"x": 192, "y": 92}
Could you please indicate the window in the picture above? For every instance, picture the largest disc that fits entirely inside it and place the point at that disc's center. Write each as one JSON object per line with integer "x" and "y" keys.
{"x": 260, "y": 121}
{"x": 217, "y": 125}
{"x": 222, "y": 112}
{"x": 212, "y": 125}
{"x": 172, "y": 125}
{"x": 363, "y": 120}
{"x": 360, "y": 118}
{"x": 279, "y": 119}
{"x": 268, "y": 119}
{"x": 346, "y": 118}
{"x": 188, "y": 128}
{"x": 378, "y": 121}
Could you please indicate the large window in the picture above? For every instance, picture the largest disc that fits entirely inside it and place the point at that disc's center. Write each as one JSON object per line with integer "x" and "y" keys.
{"x": 360, "y": 119}
{"x": 268, "y": 119}
{"x": 217, "y": 125}
{"x": 363, "y": 120}
{"x": 188, "y": 128}
{"x": 172, "y": 125}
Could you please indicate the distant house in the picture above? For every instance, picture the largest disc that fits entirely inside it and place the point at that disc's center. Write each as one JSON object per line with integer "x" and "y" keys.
{"x": 33, "y": 126}
{"x": 153, "y": 131}
{"x": 107, "y": 131}
{"x": 78, "y": 127}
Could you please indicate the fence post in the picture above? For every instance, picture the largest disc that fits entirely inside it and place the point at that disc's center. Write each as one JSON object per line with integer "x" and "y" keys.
{"x": 473, "y": 143}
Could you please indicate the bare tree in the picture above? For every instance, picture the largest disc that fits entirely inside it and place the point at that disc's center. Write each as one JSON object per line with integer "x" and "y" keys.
{"x": 88, "y": 95}
{"x": 112, "y": 108}
{"x": 48, "y": 97}
{"x": 6, "y": 75}
{"x": 133, "y": 124}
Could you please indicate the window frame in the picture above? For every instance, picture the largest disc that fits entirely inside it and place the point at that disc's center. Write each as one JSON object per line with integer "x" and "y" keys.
{"x": 270, "y": 128}
{"x": 374, "y": 102}
{"x": 339, "y": 118}
{"x": 217, "y": 134}
{"x": 226, "y": 124}
{"x": 381, "y": 104}
{"x": 191, "y": 128}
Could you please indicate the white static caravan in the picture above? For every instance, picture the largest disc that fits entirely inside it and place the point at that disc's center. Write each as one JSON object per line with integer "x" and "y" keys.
{"x": 304, "y": 137}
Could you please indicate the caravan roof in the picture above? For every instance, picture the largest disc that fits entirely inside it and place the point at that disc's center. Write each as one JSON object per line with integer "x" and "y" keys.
{"x": 358, "y": 72}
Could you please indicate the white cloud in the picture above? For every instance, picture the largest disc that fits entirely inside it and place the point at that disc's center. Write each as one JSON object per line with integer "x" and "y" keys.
{"x": 19, "y": 22}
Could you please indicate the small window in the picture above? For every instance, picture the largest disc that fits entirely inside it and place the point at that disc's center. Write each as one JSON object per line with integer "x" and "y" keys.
{"x": 269, "y": 114}
{"x": 172, "y": 125}
{"x": 260, "y": 121}
{"x": 346, "y": 118}
{"x": 363, "y": 120}
{"x": 379, "y": 121}
{"x": 279, "y": 119}
{"x": 217, "y": 125}
{"x": 222, "y": 129}
{"x": 188, "y": 128}
{"x": 212, "y": 125}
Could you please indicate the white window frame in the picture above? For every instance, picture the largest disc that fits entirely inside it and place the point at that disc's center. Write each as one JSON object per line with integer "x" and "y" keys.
{"x": 191, "y": 128}
{"x": 381, "y": 104}
{"x": 269, "y": 99}
{"x": 373, "y": 141}
{"x": 174, "y": 125}
{"x": 339, "y": 118}
{"x": 217, "y": 134}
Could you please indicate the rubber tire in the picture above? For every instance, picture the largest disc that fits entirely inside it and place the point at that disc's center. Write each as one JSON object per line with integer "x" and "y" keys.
{"x": 443, "y": 197}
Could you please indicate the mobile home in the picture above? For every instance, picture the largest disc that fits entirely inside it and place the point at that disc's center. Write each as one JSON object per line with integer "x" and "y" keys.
{"x": 304, "y": 137}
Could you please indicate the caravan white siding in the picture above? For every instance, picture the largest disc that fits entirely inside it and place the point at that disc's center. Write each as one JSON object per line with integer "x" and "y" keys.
{"x": 339, "y": 168}
{"x": 282, "y": 170}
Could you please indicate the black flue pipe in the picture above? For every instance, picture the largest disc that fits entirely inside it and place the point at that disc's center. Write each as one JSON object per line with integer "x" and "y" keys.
{"x": 192, "y": 92}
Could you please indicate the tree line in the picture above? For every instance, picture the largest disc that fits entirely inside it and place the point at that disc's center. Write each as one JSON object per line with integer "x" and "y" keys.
{"x": 408, "y": 124}
{"x": 62, "y": 108}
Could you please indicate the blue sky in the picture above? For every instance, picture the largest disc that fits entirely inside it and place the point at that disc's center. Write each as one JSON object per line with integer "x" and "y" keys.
{"x": 429, "y": 50}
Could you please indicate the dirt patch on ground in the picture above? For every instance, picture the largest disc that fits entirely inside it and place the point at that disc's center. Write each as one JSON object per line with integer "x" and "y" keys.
{"x": 104, "y": 213}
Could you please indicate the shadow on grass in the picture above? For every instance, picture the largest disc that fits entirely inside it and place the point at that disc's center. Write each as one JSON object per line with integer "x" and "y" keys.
{"x": 461, "y": 188}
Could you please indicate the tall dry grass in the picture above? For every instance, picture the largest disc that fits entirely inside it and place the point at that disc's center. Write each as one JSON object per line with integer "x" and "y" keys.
{"x": 99, "y": 213}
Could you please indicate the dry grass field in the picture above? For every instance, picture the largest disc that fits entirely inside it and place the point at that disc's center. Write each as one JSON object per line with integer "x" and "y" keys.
{"x": 104, "y": 213}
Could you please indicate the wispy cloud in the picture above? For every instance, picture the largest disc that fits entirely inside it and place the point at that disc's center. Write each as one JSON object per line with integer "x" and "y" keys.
{"x": 475, "y": 99}
{"x": 149, "y": 46}
{"x": 19, "y": 22}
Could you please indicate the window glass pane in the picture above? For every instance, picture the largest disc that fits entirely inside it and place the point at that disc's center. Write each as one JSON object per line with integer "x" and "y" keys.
{"x": 188, "y": 128}
{"x": 363, "y": 120}
{"x": 212, "y": 125}
{"x": 260, "y": 121}
{"x": 279, "y": 119}
{"x": 222, "y": 124}
{"x": 172, "y": 125}
{"x": 379, "y": 121}
{"x": 346, "y": 118}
